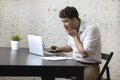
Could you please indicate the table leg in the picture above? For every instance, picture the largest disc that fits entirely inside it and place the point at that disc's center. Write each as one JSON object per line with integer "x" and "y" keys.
{"x": 47, "y": 78}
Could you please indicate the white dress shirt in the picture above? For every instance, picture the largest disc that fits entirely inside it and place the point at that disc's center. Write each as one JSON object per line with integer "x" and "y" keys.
{"x": 90, "y": 37}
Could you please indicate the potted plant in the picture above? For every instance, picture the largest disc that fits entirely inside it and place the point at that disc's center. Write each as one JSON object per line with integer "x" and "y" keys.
{"x": 15, "y": 38}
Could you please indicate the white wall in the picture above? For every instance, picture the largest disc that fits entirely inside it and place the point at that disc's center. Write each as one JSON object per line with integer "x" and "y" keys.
{"x": 40, "y": 17}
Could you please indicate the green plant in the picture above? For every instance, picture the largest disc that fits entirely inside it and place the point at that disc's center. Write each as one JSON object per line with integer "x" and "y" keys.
{"x": 16, "y": 37}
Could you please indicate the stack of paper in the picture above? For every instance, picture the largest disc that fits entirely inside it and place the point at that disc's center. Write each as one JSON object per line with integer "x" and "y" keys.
{"x": 56, "y": 58}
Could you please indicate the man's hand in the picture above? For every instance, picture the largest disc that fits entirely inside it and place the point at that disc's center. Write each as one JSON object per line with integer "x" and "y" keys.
{"x": 54, "y": 49}
{"x": 65, "y": 48}
{"x": 72, "y": 32}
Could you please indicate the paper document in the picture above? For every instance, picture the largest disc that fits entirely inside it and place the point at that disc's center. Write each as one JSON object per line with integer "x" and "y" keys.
{"x": 57, "y": 58}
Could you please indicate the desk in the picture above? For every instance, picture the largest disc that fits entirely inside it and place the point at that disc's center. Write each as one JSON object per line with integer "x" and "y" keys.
{"x": 22, "y": 63}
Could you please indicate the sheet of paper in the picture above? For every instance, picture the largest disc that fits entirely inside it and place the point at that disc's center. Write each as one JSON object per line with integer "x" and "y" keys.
{"x": 56, "y": 58}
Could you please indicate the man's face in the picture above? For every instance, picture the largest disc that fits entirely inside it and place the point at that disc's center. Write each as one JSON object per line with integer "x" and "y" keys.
{"x": 68, "y": 23}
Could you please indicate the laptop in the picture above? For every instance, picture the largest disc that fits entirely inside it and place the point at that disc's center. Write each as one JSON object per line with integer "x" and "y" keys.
{"x": 36, "y": 47}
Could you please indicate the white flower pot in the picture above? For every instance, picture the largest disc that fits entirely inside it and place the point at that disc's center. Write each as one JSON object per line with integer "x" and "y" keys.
{"x": 14, "y": 45}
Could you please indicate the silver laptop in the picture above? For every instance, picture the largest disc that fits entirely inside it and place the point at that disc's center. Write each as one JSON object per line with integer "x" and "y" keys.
{"x": 36, "y": 47}
{"x": 35, "y": 44}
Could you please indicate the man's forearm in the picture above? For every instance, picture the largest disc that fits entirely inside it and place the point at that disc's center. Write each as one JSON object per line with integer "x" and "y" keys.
{"x": 66, "y": 48}
{"x": 79, "y": 45}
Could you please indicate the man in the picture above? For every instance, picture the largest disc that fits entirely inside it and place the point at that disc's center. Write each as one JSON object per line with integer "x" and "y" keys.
{"x": 83, "y": 40}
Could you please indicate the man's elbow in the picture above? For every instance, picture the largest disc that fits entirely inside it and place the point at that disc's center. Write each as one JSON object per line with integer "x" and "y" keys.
{"x": 85, "y": 55}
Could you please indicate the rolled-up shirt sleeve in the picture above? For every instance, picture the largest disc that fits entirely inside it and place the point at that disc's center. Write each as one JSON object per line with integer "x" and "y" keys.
{"x": 92, "y": 40}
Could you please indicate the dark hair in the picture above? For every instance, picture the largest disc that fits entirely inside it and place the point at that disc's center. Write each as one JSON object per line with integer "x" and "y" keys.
{"x": 70, "y": 12}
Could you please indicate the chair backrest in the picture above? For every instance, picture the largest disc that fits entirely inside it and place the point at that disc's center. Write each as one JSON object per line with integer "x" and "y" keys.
{"x": 106, "y": 57}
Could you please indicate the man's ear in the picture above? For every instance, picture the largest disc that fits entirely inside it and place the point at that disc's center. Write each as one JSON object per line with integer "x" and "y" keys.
{"x": 74, "y": 19}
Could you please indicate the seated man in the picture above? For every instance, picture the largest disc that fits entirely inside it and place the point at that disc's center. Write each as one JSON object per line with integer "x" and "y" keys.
{"x": 83, "y": 40}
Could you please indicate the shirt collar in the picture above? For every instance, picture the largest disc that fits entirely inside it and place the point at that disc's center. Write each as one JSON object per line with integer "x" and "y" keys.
{"x": 82, "y": 27}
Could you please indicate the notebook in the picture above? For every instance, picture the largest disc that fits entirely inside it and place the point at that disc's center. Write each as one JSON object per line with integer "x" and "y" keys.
{"x": 36, "y": 47}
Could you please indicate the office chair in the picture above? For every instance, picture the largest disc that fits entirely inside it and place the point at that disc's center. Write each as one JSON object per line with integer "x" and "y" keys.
{"x": 106, "y": 57}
